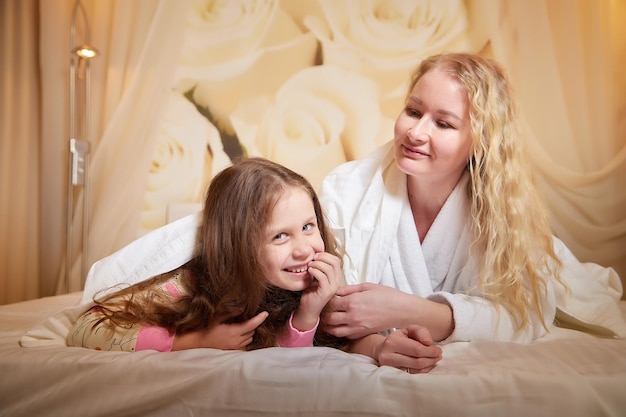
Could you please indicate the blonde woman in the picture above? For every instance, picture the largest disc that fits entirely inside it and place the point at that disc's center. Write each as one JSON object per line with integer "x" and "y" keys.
{"x": 442, "y": 227}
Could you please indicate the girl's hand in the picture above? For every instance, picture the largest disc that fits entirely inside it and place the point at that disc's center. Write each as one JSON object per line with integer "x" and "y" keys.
{"x": 325, "y": 269}
{"x": 227, "y": 336}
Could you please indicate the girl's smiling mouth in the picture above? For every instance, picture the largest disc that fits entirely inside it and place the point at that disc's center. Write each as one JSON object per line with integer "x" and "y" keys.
{"x": 298, "y": 270}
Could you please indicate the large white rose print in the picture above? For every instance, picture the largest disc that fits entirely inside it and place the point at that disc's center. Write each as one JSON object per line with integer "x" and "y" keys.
{"x": 188, "y": 152}
{"x": 232, "y": 49}
{"x": 386, "y": 39}
{"x": 319, "y": 118}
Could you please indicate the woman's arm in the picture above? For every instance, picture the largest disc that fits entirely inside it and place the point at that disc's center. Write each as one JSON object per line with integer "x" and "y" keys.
{"x": 370, "y": 308}
{"x": 477, "y": 318}
{"x": 362, "y": 309}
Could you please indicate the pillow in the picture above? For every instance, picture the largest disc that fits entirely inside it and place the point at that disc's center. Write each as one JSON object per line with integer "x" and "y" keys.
{"x": 159, "y": 251}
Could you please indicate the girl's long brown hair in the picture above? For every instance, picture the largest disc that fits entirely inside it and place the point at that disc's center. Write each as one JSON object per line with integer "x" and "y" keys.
{"x": 228, "y": 279}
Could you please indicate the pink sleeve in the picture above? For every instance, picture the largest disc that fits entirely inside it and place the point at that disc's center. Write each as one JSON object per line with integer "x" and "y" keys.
{"x": 292, "y": 337}
{"x": 157, "y": 338}
{"x": 154, "y": 338}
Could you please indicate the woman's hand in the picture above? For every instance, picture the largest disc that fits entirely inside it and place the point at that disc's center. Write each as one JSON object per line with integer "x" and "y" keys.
{"x": 362, "y": 309}
{"x": 227, "y": 336}
{"x": 325, "y": 269}
{"x": 410, "y": 349}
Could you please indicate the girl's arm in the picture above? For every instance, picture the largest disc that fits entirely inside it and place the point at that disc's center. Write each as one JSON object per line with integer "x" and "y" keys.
{"x": 88, "y": 333}
{"x": 292, "y": 337}
{"x": 325, "y": 269}
{"x": 96, "y": 331}
{"x": 227, "y": 336}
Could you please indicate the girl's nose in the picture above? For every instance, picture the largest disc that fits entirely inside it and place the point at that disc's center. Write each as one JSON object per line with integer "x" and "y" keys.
{"x": 301, "y": 247}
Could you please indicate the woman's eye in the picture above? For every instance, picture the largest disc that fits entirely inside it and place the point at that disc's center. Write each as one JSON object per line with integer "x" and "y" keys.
{"x": 307, "y": 227}
{"x": 413, "y": 113}
{"x": 443, "y": 125}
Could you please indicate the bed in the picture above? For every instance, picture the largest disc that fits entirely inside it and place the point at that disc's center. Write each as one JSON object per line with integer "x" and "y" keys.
{"x": 567, "y": 373}
{"x": 577, "y": 369}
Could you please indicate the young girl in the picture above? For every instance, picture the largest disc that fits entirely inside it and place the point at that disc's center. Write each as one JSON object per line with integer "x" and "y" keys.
{"x": 266, "y": 269}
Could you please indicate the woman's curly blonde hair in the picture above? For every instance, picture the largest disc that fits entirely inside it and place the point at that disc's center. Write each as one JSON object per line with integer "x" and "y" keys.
{"x": 510, "y": 224}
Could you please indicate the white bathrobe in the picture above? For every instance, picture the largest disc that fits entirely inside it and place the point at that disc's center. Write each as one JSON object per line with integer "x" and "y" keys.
{"x": 367, "y": 208}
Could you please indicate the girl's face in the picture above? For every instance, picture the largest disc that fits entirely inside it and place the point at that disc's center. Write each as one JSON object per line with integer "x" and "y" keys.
{"x": 433, "y": 134}
{"x": 292, "y": 238}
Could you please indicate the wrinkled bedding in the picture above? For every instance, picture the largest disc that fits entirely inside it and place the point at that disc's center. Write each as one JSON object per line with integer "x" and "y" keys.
{"x": 568, "y": 372}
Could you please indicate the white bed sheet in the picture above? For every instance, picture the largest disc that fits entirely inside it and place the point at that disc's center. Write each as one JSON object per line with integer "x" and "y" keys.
{"x": 567, "y": 373}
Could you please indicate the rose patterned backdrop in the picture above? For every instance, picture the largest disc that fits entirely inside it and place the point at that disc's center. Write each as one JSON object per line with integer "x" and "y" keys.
{"x": 307, "y": 84}
{"x": 182, "y": 86}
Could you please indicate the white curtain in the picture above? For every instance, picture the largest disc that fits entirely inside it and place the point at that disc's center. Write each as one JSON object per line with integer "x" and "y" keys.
{"x": 138, "y": 43}
{"x": 565, "y": 58}
{"x": 143, "y": 42}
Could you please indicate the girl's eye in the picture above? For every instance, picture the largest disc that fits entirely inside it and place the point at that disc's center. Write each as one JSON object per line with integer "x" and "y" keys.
{"x": 443, "y": 125}
{"x": 280, "y": 236}
{"x": 307, "y": 227}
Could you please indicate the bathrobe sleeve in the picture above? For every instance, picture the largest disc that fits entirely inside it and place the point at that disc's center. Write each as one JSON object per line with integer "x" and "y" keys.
{"x": 476, "y": 318}
{"x": 586, "y": 300}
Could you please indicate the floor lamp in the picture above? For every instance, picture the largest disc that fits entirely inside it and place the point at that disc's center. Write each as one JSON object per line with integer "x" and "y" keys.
{"x": 80, "y": 54}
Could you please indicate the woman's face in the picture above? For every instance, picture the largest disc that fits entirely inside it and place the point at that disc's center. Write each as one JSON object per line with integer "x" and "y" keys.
{"x": 292, "y": 238}
{"x": 432, "y": 135}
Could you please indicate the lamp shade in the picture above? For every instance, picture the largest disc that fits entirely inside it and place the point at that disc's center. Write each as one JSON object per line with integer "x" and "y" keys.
{"x": 85, "y": 51}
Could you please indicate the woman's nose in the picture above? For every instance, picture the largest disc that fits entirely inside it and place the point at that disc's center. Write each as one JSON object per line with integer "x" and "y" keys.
{"x": 419, "y": 131}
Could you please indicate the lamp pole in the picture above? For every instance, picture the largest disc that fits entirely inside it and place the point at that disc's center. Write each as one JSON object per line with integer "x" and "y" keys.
{"x": 78, "y": 139}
